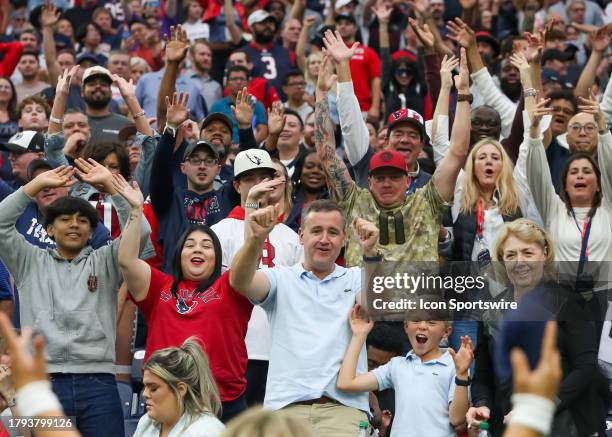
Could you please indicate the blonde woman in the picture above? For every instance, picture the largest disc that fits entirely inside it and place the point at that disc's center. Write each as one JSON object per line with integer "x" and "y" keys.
{"x": 180, "y": 393}
{"x": 138, "y": 67}
{"x": 257, "y": 422}
{"x": 311, "y": 73}
{"x": 526, "y": 253}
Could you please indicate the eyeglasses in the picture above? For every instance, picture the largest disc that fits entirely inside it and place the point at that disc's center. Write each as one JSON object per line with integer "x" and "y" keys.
{"x": 566, "y": 111}
{"x": 208, "y": 162}
{"x": 589, "y": 128}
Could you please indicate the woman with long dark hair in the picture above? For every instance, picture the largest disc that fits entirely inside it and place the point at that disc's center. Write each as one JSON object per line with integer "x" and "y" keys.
{"x": 308, "y": 184}
{"x": 195, "y": 300}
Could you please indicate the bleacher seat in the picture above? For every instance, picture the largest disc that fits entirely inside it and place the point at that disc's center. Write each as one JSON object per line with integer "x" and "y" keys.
{"x": 125, "y": 394}
{"x": 130, "y": 426}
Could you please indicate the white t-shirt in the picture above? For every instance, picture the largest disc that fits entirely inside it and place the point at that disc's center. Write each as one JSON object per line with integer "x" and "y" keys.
{"x": 206, "y": 425}
{"x": 284, "y": 250}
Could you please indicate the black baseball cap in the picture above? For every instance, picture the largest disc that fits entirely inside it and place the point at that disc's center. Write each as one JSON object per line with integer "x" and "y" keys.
{"x": 217, "y": 116}
{"x": 25, "y": 141}
{"x": 37, "y": 164}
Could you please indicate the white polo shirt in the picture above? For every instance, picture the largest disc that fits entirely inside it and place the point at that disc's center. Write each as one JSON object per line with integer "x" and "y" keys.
{"x": 310, "y": 334}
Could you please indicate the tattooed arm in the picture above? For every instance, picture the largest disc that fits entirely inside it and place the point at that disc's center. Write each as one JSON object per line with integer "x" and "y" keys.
{"x": 339, "y": 180}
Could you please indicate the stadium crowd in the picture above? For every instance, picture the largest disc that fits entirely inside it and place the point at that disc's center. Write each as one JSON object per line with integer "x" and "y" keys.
{"x": 190, "y": 189}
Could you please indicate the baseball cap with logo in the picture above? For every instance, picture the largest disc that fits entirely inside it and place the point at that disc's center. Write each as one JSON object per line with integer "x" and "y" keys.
{"x": 252, "y": 159}
{"x": 406, "y": 115}
{"x": 26, "y": 141}
{"x": 196, "y": 145}
{"x": 259, "y": 16}
{"x": 388, "y": 159}
{"x": 92, "y": 72}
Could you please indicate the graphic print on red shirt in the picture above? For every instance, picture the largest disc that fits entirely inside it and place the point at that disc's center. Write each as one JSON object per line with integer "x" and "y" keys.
{"x": 218, "y": 317}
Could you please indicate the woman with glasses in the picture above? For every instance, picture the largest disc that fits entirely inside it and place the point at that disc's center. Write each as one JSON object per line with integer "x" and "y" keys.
{"x": 580, "y": 217}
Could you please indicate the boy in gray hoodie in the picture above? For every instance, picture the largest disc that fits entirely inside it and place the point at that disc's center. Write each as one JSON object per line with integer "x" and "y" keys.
{"x": 69, "y": 294}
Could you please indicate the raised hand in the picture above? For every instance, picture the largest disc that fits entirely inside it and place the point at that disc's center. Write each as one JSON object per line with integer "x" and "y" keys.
{"x": 131, "y": 193}
{"x": 383, "y": 12}
{"x": 462, "y": 80}
{"x": 519, "y": 60}
{"x": 326, "y": 77}
{"x": 259, "y": 192}
{"x": 262, "y": 221}
{"x": 423, "y": 33}
{"x": 601, "y": 39}
{"x": 177, "y": 44}
{"x": 244, "y": 108}
{"x": 591, "y": 106}
{"x": 421, "y": 7}
{"x": 535, "y": 46}
{"x": 539, "y": 111}
{"x": 360, "y": 326}
{"x": 64, "y": 80}
{"x": 49, "y": 15}
{"x": 58, "y": 177}
{"x": 25, "y": 367}
{"x": 446, "y": 70}
{"x": 545, "y": 378}
{"x": 7, "y": 385}
{"x": 337, "y": 50}
{"x": 464, "y": 356}
{"x": 367, "y": 233}
{"x": 176, "y": 110}
{"x": 276, "y": 118}
{"x": 95, "y": 174}
{"x": 310, "y": 21}
{"x": 127, "y": 89}
{"x": 461, "y": 33}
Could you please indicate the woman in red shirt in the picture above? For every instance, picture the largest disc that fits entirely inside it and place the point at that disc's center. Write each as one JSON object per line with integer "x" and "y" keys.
{"x": 195, "y": 300}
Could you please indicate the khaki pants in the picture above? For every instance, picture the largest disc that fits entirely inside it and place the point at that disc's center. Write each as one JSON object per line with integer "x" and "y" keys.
{"x": 330, "y": 419}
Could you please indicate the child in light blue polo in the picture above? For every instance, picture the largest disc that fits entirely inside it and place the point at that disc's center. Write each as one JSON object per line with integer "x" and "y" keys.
{"x": 431, "y": 385}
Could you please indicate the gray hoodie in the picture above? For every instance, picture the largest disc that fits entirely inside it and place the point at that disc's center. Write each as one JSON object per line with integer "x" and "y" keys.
{"x": 79, "y": 325}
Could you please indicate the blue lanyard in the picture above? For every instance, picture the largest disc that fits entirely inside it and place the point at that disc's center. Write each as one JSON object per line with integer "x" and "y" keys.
{"x": 412, "y": 187}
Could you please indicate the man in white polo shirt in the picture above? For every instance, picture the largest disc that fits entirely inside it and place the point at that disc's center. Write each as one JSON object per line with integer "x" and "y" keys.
{"x": 308, "y": 306}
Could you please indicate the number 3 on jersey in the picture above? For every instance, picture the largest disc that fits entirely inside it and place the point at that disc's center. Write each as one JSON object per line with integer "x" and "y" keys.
{"x": 271, "y": 71}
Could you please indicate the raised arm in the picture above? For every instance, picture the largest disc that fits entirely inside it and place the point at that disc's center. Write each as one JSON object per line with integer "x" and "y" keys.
{"x": 137, "y": 273}
{"x": 244, "y": 275}
{"x": 463, "y": 359}
{"x": 297, "y": 10}
{"x": 276, "y": 124}
{"x": 439, "y": 133}
{"x": 235, "y": 31}
{"x": 383, "y": 14}
{"x": 48, "y": 19}
{"x": 12, "y": 52}
{"x": 176, "y": 50}
{"x": 348, "y": 380}
{"x": 339, "y": 180}
{"x": 302, "y": 43}
{"x": 446, "y": 174}
{"x": 128, "y": 92}
{"x": 606, "y": 102}
{"x": 61, "y": 96}
{"x": 600, "y": 43}
{"x": 161, "y": 183}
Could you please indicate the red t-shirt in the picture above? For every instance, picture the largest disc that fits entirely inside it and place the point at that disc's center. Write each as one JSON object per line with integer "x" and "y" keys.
{"x": 365, "y": 65}
{"x": 218, "y": 317}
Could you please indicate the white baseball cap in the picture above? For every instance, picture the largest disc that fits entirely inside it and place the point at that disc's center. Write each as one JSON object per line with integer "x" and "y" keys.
{"x": 259, "y": 16}
{"x": 96, "y": 71}
{"x": 252, "y": 159}
{"x": 341, "y": 3}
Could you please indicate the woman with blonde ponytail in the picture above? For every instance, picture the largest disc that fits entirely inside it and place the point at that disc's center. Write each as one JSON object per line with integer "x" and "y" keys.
{"x": 181, "y": 395}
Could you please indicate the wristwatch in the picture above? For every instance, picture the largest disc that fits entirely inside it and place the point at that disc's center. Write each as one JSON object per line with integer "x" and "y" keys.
{"x": 463, "y": 382}
{"x": 465, "y": 98}
{"x": 252, "y": 205}
{"x": 530, "y": 92}
{"x": 170, "y": 129}
{"x": 56, "y": 120}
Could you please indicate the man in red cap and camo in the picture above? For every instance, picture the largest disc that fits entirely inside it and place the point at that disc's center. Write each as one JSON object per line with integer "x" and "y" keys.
{"x": 405, "y": 221}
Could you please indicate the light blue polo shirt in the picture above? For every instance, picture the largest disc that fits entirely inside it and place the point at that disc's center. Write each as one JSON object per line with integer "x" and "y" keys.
{"x": 310, "y": 334}
{"x": 423, "y": 392}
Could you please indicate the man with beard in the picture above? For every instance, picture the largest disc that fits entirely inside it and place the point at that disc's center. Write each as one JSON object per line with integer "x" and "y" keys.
{"x": 200, "y": 54}
{"x": 270, "y": 61}
{"x": 96, "y": 91}
{"x": 29, "y": 67}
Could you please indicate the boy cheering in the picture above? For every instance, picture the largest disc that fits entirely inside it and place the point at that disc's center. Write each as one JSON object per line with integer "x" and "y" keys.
{"x": 431, "y": 385}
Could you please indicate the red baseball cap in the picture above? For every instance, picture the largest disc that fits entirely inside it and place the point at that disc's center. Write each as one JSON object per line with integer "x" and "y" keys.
{"x": 388, "y": 158}
{"x": 407, "y": 115}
